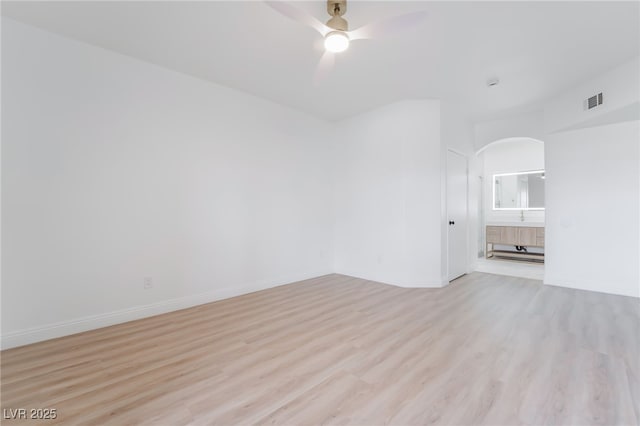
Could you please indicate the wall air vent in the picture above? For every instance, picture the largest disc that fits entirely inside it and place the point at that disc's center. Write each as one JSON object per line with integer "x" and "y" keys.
{"x": 593, "y": 101}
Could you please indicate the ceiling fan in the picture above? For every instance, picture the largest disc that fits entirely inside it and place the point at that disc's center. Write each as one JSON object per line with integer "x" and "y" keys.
{"x": 337, "y": 36}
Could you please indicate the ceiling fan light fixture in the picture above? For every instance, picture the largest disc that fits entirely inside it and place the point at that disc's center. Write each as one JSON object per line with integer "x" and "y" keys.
{"x": 336, "y": 41}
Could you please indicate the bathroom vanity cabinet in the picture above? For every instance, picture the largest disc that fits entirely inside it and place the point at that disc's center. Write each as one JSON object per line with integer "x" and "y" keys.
{"x": 520, "y": 236}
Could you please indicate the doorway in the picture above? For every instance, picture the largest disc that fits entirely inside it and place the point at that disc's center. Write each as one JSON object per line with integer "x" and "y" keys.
{"x": 457, "y": 214}
{"x": 511, "y": 192}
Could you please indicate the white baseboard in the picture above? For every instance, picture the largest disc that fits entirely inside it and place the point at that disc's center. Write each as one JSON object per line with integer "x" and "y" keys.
{"x": 597, "y": 286}
{"x": 434, "y": 284}
{"x": 92, "y": 322}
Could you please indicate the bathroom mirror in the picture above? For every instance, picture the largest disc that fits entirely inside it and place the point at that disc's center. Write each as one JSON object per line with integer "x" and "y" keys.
{"x": 519, "y": 191}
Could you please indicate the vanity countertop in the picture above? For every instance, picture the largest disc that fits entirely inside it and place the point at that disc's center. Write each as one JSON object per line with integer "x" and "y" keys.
{"x": 528, "y": 224}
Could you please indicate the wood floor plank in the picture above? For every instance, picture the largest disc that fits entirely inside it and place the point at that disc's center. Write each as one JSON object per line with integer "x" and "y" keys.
{"x": 486, "y": 349}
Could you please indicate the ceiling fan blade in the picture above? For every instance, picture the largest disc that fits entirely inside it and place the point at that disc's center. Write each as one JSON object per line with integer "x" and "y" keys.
{"x": 324, "y": 67}
{"x": 389, "y": 26}
{"x": 298, "y": 15}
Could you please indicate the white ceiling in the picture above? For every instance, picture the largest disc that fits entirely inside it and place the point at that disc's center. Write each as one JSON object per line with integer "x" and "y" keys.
{"x": 537, "y": 49}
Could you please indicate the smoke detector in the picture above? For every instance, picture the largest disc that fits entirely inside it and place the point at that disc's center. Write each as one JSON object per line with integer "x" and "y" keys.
{"x": 493, "y": 82}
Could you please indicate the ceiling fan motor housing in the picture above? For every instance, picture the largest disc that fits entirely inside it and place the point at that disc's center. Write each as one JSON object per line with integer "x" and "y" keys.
{"x": 338, "y": 23}
{"x": 337, "y": 8}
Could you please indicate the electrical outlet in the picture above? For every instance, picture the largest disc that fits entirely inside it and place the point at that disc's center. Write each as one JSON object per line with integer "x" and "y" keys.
{"x": 148, "y": 283}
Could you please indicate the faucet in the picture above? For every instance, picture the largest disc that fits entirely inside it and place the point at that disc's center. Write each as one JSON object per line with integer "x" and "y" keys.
{"x": 521, "y": 215}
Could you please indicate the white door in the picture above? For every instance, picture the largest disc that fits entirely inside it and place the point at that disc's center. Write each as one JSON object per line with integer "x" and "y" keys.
{"x": 457, "y": 214}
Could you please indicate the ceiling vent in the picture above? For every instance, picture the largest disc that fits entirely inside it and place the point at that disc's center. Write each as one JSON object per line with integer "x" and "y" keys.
{"x": 593, "y": 101}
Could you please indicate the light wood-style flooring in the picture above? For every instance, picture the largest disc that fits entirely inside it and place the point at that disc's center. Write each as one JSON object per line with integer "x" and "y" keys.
{"x": 487, "y": 349}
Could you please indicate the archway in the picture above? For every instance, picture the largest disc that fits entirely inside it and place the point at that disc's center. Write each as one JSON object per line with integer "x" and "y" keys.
{"x": 508, "y": 140}
{"x": 517, "y": 159}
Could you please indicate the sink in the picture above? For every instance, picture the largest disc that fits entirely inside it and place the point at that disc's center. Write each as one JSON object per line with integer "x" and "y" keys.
{"x": 517, "y": 223}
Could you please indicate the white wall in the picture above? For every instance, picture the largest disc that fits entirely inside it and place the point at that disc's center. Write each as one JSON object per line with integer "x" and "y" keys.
{"x": 388, "y": 187}
{"x": 621, "y": 94}
{"x": 115, "y": 169}
{"x": 457, "y": 129}
{"x": 517, "y": 155}
{"x": 593, "y": 214}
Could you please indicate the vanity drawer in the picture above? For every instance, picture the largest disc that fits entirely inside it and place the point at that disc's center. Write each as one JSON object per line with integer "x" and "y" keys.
{"x": 527, "y": 236}
{"x": 493, "y": 234}
{"x": 508, "y": 235}
{"x": 540, "y": 237}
